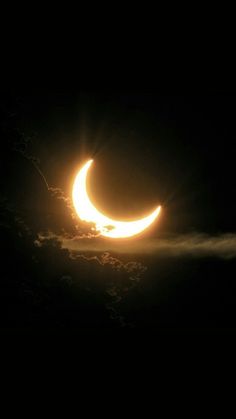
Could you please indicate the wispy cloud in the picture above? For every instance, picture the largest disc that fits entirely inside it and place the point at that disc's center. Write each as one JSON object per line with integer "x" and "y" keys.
{"x": 195, "y": 244}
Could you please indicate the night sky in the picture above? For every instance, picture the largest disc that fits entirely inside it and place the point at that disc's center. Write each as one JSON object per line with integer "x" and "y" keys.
{"x": 149, "y": 148}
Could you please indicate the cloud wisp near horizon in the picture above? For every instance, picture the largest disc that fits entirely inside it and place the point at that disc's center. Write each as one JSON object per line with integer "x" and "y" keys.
{"x": 192, "y": 244}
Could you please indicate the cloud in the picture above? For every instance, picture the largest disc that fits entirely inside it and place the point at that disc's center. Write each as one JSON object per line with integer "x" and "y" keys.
{"x": 194, "y": 244}
{"x": 83, "y": 247}
{"x": 94, "y": 251}
{"x": 113, "y": 255}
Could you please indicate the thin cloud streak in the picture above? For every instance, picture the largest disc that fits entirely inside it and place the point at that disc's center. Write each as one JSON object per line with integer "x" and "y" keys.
{"x": 195, "y": 244}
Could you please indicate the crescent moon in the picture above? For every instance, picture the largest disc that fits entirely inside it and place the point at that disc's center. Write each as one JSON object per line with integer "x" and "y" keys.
{"x": 106, "y": 226}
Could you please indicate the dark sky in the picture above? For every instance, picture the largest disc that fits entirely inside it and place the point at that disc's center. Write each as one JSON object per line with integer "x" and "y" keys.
{"x": 179, "y": 148}
{"x": 149, "y": 148}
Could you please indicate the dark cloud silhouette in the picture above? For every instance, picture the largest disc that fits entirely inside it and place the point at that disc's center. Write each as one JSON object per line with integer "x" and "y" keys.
{"x": 116, "y": 288}
{"x": 77, "y": 244}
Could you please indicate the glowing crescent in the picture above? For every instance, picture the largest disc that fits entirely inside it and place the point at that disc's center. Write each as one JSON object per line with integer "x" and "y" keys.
{"x": 106, "y": 226}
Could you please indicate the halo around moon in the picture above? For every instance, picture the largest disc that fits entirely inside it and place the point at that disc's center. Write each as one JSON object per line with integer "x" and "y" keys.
{"x": 107, "y": 227}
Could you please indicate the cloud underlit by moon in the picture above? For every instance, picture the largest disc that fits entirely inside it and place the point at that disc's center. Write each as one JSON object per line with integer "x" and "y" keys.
{"x": 106, "y": 226}
{"x": 186, "y": 245}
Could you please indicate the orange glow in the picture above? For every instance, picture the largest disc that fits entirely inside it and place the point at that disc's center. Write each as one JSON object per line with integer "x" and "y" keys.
{"x": 106, "y": 226}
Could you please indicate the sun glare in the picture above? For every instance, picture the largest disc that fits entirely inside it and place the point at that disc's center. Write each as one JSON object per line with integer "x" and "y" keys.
{"x": 105, "y": 225}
